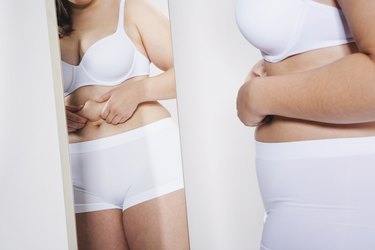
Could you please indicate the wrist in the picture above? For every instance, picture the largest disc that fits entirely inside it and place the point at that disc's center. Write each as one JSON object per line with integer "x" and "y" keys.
{"x": 141, "y": 90}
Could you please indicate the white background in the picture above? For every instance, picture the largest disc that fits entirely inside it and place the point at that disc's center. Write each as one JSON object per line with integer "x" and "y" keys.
{"x": 211, "y": 61}
{"x": 35, "y": 211}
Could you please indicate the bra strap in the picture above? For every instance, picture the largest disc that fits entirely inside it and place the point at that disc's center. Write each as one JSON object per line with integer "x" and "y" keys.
{"x": 120, "y": 23}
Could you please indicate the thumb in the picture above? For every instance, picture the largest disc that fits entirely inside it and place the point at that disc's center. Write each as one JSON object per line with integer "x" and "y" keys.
{"x": 104, "y": 97}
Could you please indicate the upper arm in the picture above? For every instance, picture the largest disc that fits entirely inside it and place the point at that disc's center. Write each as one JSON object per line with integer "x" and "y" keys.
{"x": 154, "y": 29}
{"x": 360, "y": 15}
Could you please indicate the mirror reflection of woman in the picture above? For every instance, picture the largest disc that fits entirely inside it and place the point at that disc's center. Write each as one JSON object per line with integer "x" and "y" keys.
{"x": 312, "y": 101}
{"x": 124, "y": 146}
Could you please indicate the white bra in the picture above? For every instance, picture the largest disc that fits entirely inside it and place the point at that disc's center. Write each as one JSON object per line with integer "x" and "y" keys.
{"x": 281, "y": 28}
{"x": 109, "y": 61}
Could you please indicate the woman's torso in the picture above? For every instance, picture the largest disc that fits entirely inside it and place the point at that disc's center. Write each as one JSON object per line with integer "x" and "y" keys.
{"x": 283, "y": 129}
{"x": 88, "y": 29}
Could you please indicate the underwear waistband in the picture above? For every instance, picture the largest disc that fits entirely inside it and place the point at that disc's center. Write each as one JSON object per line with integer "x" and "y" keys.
{"x": 118, "y": 139}
{"x": 320, "y": 148}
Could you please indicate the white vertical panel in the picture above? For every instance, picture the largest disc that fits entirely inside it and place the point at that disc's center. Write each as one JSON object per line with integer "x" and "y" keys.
{"x": 212, "y": 59}
{"x": 170, "y": 105}
{"x": 35, "y": 212}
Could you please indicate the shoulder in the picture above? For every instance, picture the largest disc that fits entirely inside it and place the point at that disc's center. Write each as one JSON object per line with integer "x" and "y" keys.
{"x": 133, "y": 7}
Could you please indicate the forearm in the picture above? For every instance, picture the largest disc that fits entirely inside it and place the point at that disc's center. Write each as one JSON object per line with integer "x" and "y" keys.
{"x": 341, "y": 92}
{"x": 159, "y": 87}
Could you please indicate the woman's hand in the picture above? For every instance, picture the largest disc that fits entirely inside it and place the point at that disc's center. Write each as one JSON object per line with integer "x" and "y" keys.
{"x": 258, "y": 70}
{"x": 91, "y": 110}
{"x": 121, "y": 102}
{"x": 74, "y": 121}
{"x": 247, "y": 98}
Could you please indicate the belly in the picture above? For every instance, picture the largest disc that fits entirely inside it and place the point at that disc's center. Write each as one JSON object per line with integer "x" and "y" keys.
{"x": 96, "y": 127}
{"x": 284, "y": 129}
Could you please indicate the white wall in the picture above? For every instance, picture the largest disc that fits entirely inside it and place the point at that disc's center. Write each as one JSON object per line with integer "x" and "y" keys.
{"x": 36, "y": 210}
{"x": 212, "y": 59}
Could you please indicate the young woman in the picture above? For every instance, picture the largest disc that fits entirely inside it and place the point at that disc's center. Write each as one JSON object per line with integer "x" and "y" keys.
{"x": 312, "y": 100}
{"x": 124, "y": 147}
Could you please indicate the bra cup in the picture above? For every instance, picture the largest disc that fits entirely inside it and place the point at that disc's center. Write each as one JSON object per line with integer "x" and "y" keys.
{"x": 284, "y": 28}
{"x": 270, "y": 26}
{"x": 141, "y": 64}
{"x": 110, "y": 65}
{"x": 335, "y": 30}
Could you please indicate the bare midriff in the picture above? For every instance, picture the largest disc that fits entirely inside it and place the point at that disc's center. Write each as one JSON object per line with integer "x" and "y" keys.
{"x": 284, "y": 129}
{"x": 96, "y": 127}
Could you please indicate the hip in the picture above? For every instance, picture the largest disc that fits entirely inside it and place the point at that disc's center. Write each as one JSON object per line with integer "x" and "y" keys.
{"x": 320, "y": 174}
{"x": 318, "y": 194}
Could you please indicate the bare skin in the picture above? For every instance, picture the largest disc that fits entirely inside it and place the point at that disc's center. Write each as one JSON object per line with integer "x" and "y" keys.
{"x": 96, "y": 126}
{"x": 324, "y": 93}
{"x": 100, "y": 111}
{"x": 154, "y": 224}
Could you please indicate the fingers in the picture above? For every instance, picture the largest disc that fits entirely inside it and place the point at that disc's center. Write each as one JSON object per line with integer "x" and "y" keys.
{"x": 75, "y": 118}
{"x": 116, "y": 120}
{"x": 114, "y": 112}
{"x": 104, "y": 97}
{"x": 110, "y": 117}
{"x": 105, "y": 112}
{"x": 74, "y": 121}
{"x": 124, "y": 119}
{"x": 250, "y": 76}
{"x": 74, "y": 108}
{"x": 74, "y": 126}
{"x": 115, "y": 116}
{"x": 121, "y": 119}
{"x": 259, "y": 69}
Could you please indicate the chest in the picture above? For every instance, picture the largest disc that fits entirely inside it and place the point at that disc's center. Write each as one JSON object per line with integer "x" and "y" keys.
{"x": 74, "y": 47}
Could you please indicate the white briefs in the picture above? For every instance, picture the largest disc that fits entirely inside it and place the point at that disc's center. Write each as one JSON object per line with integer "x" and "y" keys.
{"x": 318, "y": 194}
{"x": 126, "y": 169}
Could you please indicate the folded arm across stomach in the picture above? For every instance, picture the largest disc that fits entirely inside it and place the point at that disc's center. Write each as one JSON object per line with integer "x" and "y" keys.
{"x": 96, "y": 127}
{"x": 283, "y": 129}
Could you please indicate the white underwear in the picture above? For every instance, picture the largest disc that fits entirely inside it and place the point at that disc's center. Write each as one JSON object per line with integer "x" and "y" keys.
{"x": 318, "y": 194}
{"x": 123, "y": 170}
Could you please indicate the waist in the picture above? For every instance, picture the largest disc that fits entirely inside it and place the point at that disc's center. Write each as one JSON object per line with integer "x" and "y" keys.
{"x": 316, "y": 148}
{"x": 96, "y": 127}
{"x": 153, "y": 128}
{"x": 284, "y": 129}
{"x": 146, "y": 113}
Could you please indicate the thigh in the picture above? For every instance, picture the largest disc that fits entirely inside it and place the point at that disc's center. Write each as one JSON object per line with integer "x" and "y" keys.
{"x": 101, "y": 230}
{"x": 157, "y": 224}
